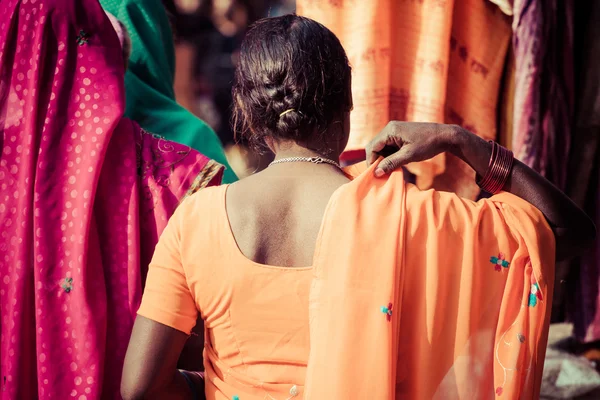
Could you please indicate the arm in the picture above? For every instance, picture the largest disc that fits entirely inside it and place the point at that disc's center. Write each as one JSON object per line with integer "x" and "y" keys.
{"x": 166, "y": 316}
{"x": 150, "y": 370}
{"x": 411, "y": 142}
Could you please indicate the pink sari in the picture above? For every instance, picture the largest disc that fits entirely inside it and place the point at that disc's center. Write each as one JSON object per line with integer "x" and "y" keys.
{"x": 84, "y": 195}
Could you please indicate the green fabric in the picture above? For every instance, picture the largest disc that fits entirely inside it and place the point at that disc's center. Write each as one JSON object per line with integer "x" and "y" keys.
{"x": 149, "y": 80}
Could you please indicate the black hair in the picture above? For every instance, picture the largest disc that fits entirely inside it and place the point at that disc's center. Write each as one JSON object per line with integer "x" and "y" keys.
{"x": 292, "y": 81}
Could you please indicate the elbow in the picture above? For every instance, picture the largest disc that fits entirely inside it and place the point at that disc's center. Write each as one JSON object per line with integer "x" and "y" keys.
{"x": 129, "y": 394}
{"x": 130, "y": 390}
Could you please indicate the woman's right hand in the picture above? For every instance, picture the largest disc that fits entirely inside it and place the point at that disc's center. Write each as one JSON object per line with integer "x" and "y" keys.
{"x": 409, "y": 142}
{"x": 405, "y": 142}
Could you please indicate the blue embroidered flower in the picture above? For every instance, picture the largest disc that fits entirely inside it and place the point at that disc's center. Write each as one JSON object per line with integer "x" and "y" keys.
{"x": 82, "y": 38}
{"x": 499, "y": 262}
{"x": 387, "y": 311}
{"x": 67, "y": 284}
{"x": 534, "y": 294}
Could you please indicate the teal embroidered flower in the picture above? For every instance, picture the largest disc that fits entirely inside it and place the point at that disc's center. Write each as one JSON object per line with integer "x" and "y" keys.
{"x": 499, "y": 262}
{"x": 387, "y": 311}
{"x": 82, "y": 38}
{"x": 534, "y": 295}
{"x": 67, "y": 284}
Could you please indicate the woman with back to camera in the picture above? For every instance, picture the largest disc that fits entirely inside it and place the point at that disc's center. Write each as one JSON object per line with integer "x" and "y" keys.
{"x": 320, "y": 283}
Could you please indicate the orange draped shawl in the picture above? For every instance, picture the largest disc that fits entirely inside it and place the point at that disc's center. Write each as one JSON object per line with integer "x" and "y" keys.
{"x": 459, "y": 311}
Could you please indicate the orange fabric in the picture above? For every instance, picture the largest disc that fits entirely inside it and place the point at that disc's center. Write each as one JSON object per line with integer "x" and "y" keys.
{"x": 461, "y": 326}
{"x": 428, "y": 61}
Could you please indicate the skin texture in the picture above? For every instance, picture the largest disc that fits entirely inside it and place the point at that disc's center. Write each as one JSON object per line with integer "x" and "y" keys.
{"x": 281, "y": 228}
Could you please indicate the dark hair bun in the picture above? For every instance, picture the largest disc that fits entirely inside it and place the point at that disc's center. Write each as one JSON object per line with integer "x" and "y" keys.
{"x": 290, "y": 120}
{"x": 292, "y": 81}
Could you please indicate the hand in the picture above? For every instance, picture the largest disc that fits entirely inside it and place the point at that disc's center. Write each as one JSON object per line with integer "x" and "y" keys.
{"x": 406, "y": 142}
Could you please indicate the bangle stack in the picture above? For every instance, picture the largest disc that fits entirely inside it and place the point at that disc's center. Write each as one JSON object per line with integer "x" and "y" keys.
{"x": 501, "y": 162}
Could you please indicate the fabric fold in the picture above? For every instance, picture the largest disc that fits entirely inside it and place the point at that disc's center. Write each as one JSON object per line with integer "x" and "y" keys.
{"x": 459, "y": 311}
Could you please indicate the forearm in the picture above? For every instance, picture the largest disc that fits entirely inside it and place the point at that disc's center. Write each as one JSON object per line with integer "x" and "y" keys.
{"x": 562, "y": 214}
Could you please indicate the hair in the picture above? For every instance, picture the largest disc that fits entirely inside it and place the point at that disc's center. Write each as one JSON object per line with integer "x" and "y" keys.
{"x": 292, "y": 81}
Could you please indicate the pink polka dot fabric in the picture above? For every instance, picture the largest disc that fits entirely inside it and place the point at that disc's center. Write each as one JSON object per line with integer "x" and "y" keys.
{"x": 84, "y": 195}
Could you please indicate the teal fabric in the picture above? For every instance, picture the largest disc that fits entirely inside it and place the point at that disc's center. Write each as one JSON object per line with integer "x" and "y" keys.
{"x": 149, "y": 80}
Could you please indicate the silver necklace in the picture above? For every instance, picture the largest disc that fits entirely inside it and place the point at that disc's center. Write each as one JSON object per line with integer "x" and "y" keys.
{"x": 315, "y": 160}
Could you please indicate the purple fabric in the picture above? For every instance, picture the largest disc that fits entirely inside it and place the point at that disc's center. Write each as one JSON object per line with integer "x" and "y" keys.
{"x": 581, "y": 294}
{"x": 543, "y": 107}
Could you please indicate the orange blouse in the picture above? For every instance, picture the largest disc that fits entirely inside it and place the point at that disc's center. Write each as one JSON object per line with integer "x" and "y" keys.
{"x": 255, "y": 315}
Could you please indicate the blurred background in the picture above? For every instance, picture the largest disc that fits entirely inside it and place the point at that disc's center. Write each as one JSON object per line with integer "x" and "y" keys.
{"x": 208, "y": 36}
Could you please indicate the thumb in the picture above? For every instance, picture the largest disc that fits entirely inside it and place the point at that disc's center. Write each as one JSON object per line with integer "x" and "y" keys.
{"x": 374, "y": 148}
{"x": 395, "y": 161}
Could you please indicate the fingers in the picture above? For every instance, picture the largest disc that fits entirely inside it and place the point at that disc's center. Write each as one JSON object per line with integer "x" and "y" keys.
{"x": 378, "y": 144}
{"x": 375, "y": 146}
{"x": 395, "y": 161}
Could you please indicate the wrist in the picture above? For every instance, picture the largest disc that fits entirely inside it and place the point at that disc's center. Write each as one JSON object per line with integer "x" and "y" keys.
{"x": 455, "y": 139}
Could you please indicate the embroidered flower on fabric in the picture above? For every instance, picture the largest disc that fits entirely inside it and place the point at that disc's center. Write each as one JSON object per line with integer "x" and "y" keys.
{"x": 535, "y": 294}
{"x": 499, "y": 391}
{"x": 499, "y": 262}
{"x": 387, "y": 311}
{"x": 82, "y": 38}
{"x": 67, "y": 284}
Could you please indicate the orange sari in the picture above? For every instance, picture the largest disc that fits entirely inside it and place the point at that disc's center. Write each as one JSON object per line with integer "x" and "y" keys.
{"x": 459, "y": 311}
